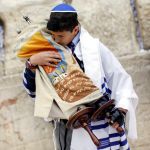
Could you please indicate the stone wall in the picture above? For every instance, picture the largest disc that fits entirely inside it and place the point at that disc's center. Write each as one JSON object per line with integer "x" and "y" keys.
{"x": 139, "y": 67}
{"x": 113, "y": 23}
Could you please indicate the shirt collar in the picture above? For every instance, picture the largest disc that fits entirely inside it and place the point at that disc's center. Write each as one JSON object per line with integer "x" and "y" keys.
{"x": 76, "y": 39}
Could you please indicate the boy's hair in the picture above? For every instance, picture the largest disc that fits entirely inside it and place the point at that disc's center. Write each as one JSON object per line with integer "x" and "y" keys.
{"x": 64, "y": 21}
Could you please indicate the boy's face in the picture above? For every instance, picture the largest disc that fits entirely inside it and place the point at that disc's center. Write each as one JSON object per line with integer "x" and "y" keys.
{"x": 64, "y": 37}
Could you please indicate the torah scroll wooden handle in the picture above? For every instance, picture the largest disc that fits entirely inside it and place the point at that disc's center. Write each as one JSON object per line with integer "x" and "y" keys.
{"x": 81, "y": 119}
{"x": 92, "y": 135}
{"x": 102, "y": 110}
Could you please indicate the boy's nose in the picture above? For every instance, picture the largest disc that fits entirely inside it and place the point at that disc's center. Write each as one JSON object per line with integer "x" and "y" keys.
{"x": 58, "y": 41}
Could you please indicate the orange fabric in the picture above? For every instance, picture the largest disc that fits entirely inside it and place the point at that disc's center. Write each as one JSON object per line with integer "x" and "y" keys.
{"x": 37, "y": 43}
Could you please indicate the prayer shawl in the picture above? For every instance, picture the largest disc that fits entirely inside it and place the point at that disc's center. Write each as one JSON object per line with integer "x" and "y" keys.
{"x": 59, "y": 90}
{"x": 100, "y": 62}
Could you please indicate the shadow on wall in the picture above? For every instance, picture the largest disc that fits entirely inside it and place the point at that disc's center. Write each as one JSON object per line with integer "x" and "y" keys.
{"x": 1, "y": 40}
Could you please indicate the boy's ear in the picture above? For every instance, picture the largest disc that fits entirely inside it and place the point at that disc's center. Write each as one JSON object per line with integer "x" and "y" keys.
{"x": 76, "y": 29}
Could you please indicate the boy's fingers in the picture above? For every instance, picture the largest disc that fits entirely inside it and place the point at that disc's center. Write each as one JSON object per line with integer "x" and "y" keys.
{"x": 51, "y": 65}
{"x": 115, "y": 125}
{"x": 54, "y": 55}
{"x": 53, "y": 60}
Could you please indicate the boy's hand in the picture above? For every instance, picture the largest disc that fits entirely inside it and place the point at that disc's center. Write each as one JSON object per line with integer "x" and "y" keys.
{"x": 45, "y": 59}
{"x": 116, "y": 117}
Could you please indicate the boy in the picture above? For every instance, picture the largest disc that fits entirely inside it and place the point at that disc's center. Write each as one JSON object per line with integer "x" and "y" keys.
{"x": 104, "y": 70}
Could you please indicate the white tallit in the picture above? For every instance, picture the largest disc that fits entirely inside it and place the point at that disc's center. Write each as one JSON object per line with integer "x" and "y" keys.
{"x": 99, "y": 62}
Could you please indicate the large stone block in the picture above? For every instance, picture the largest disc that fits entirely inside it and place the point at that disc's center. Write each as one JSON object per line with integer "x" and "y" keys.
{"x": 37, "y": 11}
{"x": 28, "y": 133}
{"x": 138, "y": 66}
{"x": 143, "y": 147}
{"x": 19, "y": 128}
{"x": 15, "y": 23}
{"x": 10, "y": 81}
{"x": 111, "y": 21}
{"x": 143, "y": 8}
{"x": 13, "y": 66}
{"x": 143, "y": 121}
{"x": 7, "y": 5}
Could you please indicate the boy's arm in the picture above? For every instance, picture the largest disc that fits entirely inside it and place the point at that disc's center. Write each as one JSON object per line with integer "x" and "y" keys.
{"x": 118, "y": 80}
{"x": 42, "y": 58}
{"x": 120, "y": 83}
{"x": 29, "y": 82}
